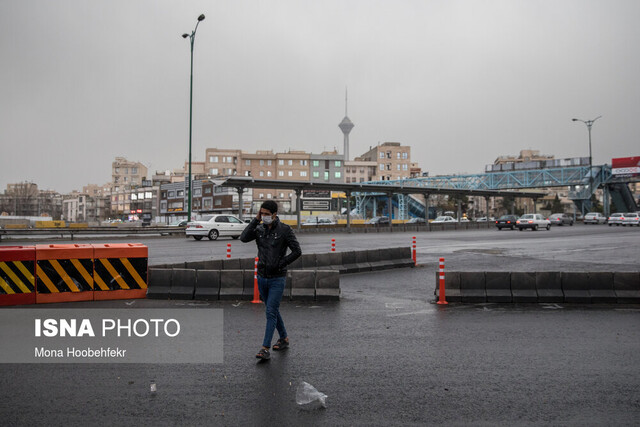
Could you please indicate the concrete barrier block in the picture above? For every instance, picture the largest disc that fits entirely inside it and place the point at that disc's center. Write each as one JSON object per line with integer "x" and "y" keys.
{"x": 327, "y": 285}
{"x": 451, "y": 286}
{"x": 601, "y": 288}
{"x": 196, "y": 265}
{"x": 247, "y": 284}
{"x": 208, "y": 285}
{"x": 549, "y": 286}
{"x": 361, "y": 261}
{"x": 308, "y": 261}
{"x": 183, "y": 283}
{"x": 231, "y": 264}
{"x": 247, "y": 263}
{"x": 498, "y": 286}
{"x": 401, "y": 257}
{"x": 323, "y": 260}
{"x": 213, "y": 264}
{"x": 303, "y": 285}
{"x": 523, "y": 287}
{"x": 472, "y": 286}
{"x": 231, "y": 284}
{"x": 626, "y": 286}
{"x": 375, "y": 258}
{"x": 336, "y": 262}
{"x": 159, "y": 285}
{"x": 349, "y": 262}
{"x": 575, "y": 286}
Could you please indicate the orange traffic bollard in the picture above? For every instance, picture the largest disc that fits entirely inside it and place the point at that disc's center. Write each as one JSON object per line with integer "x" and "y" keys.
{"x": 256, "y": 292}
{"x": 415, "y": 262}
{"x": 228, "y": 250}
{"x": 333, "y": 245}
{"x": 442, "y": 297}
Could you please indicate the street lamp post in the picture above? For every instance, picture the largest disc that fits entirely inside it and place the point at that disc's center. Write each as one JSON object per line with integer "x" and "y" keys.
{"x": 192, "y": 39}
{"x": 589, "y": 123}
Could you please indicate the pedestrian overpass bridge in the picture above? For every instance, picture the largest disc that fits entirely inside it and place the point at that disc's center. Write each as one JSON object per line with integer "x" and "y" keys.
{"x": 582, "y": 182}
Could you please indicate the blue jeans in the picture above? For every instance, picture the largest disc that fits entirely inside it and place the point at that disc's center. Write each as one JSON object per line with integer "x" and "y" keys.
{"x": 271, "y": 291}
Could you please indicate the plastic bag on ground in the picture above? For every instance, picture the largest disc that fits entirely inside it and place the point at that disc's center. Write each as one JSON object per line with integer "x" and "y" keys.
{"x": 309, "y": 398}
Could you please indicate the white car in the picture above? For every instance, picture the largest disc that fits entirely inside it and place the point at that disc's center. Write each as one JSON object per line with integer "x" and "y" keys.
{"x": 444, "y": 220}
{"x": 616, "y": 218}
{"x": 631, "y": 218}
{"x": 533, "y": 221}
{"x": 315, "y": 221}
{"x": 595, "y": 218}
{"x": 214, "y": 226}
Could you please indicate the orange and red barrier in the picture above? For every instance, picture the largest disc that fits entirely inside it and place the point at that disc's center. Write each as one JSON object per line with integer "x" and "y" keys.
{"x": 415, "y": 261}
{"x": 64, "y": 273}
{"x": 333, "y": 245}
{"x": 442, "y": 299}
{"x": 228, "y": 250}
{"x": 17, "y": 275}
{"x": 256, "y": 291}
{"x": 120, "y": 271}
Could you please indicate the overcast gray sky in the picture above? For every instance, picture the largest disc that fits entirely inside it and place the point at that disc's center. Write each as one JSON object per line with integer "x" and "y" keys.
{"x": 461, "y": 82}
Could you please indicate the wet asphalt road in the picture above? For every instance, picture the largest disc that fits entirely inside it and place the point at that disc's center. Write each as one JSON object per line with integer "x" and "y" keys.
{"x": 384, "y": 354}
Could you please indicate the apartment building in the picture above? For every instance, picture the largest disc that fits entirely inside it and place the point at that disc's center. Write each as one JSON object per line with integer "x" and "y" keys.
{"x": 356, "y": 171}
{"x": 393, "y": 159}
{"x": 221, "y": 162}
{"x": 327, "y": 166}
{"x": 126, "y": 174}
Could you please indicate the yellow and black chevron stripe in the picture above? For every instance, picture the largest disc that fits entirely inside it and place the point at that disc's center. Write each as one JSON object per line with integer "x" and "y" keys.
{"x": 64, "y": 275}
{"x": 120, "y": 273}
{"x": 16, "y": 277}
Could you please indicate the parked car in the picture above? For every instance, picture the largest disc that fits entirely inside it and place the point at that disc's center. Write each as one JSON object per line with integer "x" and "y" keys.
{"x": 506, "y": 221}
{"x": 616, "y": 218}
{"x": 416, "y": 220}
{"x": 214, "y": 226}
{"x": 631, "y": 218}
{"x": 445, "y": 219}
{"x": 378, "y": 220}
{"x": 316, "y": 221}
{"x": 595, "y": 218}
{"x": 178, "y": 223}
{"x": 560, "y": 219}
{"x": 485, "y": 219}
{"x": 532, "y": 221}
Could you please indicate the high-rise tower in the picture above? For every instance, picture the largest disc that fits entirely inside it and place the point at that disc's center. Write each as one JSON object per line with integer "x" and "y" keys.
{"x": 345, "y": 126}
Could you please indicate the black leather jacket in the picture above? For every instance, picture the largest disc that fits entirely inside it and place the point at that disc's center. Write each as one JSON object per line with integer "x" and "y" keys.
{"x": 272, "y": 246}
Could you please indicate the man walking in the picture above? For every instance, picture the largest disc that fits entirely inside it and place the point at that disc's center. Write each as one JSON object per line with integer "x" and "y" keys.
{"x": 272, "y": 238}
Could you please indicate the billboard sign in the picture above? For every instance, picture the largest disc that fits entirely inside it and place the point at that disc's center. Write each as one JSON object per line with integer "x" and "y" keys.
{"x": 316, "y": 194}
{"x": 625, "y": 166}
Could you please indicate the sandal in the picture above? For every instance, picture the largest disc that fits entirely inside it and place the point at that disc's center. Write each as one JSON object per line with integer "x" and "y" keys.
{"x": 281, "y": 344}
{"x": 263, "y": 354}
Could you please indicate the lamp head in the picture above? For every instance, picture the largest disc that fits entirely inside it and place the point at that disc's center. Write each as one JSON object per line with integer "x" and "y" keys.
{"x": 201, "y": 17}
{"x": 185, "y": 35}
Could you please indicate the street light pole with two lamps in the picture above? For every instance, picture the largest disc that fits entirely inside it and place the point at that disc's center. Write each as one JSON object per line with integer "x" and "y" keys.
{"x": 589, "y": 123}
{"x": 192, "y": 38}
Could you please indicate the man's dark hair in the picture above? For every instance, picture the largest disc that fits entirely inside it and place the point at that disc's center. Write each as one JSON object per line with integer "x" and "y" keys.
{"x": 270, "y": 205}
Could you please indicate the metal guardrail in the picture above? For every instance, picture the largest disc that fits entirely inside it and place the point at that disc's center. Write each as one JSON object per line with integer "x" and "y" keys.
{"x": 72, "y": 232}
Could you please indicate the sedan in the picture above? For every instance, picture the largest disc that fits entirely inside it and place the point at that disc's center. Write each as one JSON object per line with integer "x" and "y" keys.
{"x": 443, "y": 220}
{"x": 506, "y": 221}
{"x": 616, "y": 218}
{"x": 416, "y": 220}
{"x": 532, "y": 221}
{"x": 379, "y": 220}
{"x": 560, "y": 219}
{"x": 631, "y": 218}
{"x": 213, "y": 226}
{"x": 595, "y": 218}
{"x": 315, "y": 221}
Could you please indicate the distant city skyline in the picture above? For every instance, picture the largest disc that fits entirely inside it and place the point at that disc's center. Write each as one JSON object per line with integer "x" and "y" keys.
{"x": 461, "y": 82}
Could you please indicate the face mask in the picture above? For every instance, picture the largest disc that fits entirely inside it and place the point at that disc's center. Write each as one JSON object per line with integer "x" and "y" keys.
{"x": 267, "y": 219}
